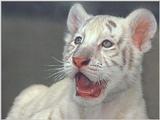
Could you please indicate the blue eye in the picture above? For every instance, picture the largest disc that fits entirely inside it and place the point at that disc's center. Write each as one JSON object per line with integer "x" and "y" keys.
{"x": 78, "y": 40}
{"x": 107, "y": 44}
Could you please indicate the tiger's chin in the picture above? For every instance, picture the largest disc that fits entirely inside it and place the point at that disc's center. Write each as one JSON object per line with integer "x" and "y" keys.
{"x": 87, "y": 92}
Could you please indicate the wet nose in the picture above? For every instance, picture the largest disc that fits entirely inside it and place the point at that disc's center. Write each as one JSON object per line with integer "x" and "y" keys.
{"x": 80, "y": 61}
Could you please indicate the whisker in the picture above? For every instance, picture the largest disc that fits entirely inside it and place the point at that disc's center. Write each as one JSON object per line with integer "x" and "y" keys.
{"x": 54, "y": 65}
{"x": 67, "y": 70}
{"x": 54, "y": 69}
{"x": 58, "y": 76}
{"x": 57, "y": 59}
{"x": 63, "y": 75}
{"x": 58, "y": 68}
{"x": 53, "y": 74}
{"x": 58, "y": 71}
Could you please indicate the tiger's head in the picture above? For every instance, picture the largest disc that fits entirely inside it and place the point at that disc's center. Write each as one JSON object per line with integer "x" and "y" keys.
{"x": 103, "y": 53}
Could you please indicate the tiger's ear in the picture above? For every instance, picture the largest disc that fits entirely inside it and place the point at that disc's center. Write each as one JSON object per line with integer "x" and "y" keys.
{"x": 76, "y": 17}
{"x": 142, "y": 25}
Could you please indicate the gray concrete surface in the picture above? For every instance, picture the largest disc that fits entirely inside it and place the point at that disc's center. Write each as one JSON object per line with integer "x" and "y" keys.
{"x": 29, "y": 42}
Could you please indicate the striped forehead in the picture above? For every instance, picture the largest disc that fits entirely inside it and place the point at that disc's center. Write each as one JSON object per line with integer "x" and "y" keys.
{"x": 95, "y": 25}
{"x": 99, "y": 26}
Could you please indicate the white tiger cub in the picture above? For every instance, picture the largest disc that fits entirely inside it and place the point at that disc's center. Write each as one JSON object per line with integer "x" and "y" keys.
{"x": 102, "y": 56}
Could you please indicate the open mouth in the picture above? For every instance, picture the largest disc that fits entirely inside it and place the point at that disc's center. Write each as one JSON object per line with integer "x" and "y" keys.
{"x": 87, "y": 88}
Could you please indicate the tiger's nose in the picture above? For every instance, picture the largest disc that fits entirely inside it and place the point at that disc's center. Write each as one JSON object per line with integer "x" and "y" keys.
{"x": 80, "y": 61}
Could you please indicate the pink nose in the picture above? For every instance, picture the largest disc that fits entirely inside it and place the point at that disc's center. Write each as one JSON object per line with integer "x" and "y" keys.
{"x": 80, "y": 61}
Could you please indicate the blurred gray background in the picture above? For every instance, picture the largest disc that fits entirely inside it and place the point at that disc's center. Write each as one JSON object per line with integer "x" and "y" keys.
{"x": 32, "y": 32}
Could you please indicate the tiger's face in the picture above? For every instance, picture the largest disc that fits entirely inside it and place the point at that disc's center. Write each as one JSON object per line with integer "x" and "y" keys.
{"x": 103, "y": 53}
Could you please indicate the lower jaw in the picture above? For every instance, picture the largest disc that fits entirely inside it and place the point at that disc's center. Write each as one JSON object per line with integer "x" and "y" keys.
{"x": 87, "y": 100}
{"x": 89, "y": 95}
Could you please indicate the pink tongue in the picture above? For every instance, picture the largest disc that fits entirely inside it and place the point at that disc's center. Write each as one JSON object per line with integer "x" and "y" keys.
{"x": 86, "y": 88}
{"x": 83, "y": 82}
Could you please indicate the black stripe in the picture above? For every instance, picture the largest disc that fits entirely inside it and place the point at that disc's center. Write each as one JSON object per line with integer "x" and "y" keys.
{"x": 109, "y": 27}
{"x": 117, "y": 64}
{"x": 130, "y": 59}
{"x": 124, "y": 56}
{"x": 112, "y": 23}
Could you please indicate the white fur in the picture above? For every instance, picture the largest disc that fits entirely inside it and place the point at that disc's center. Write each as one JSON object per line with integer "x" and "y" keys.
{"x": 122, "y": 98}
